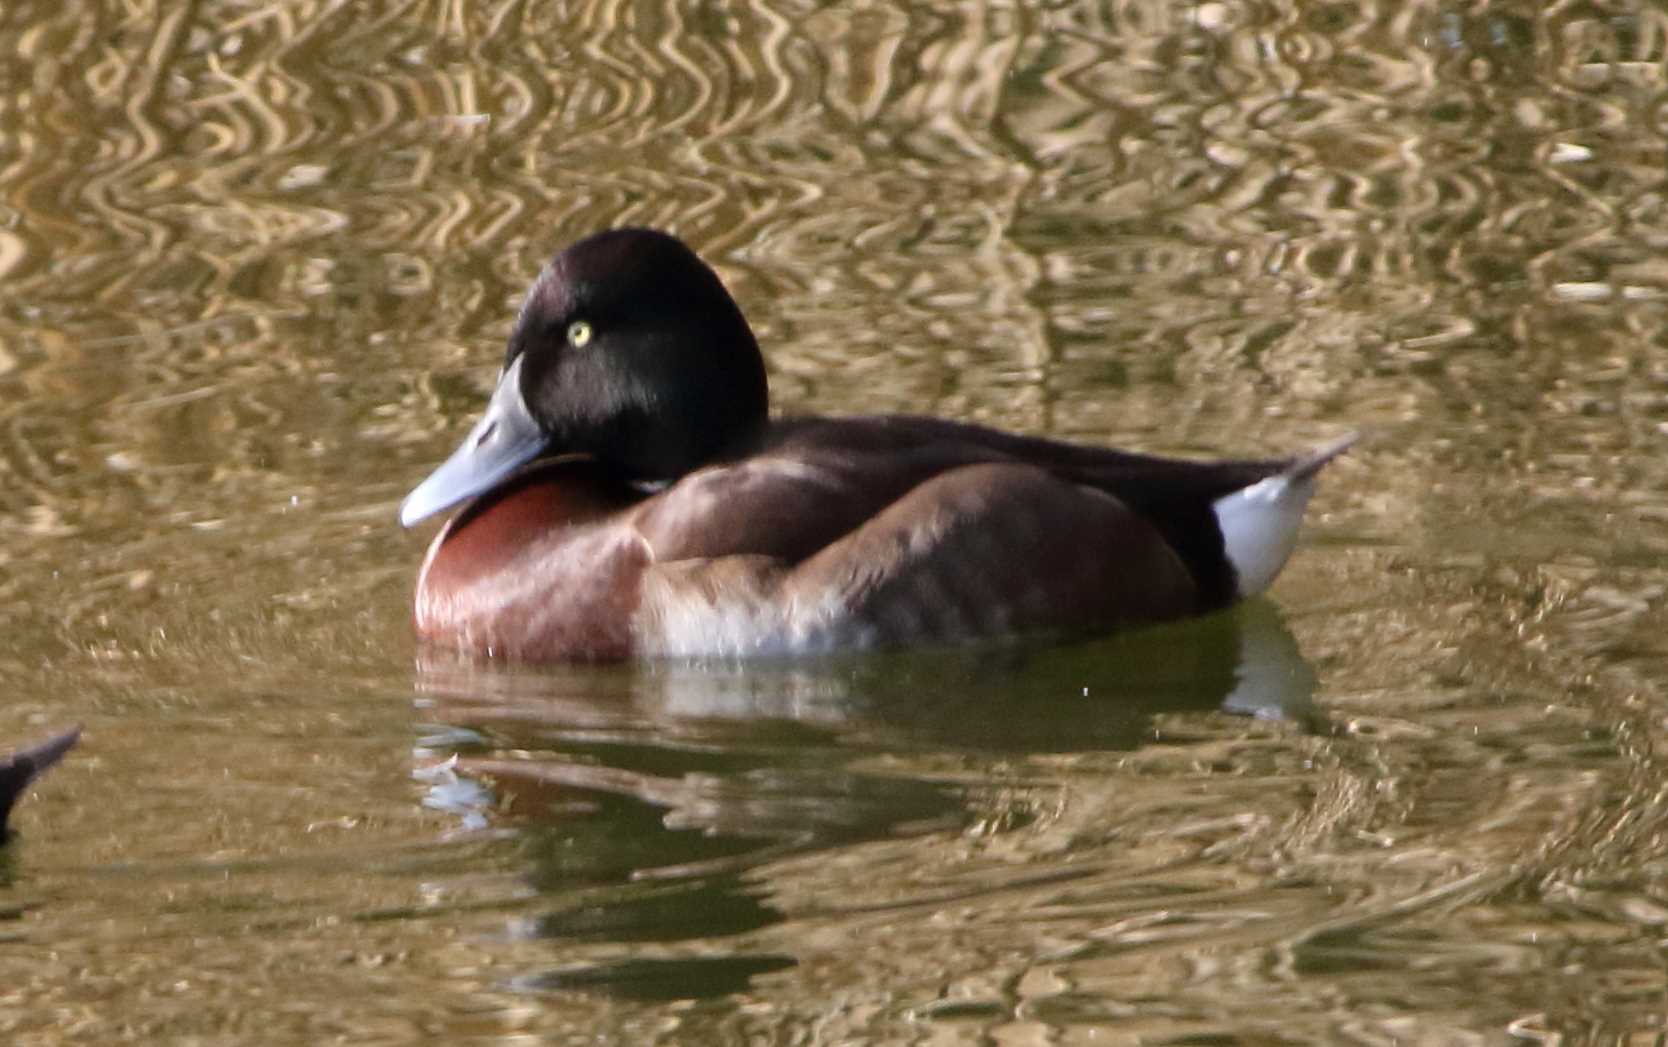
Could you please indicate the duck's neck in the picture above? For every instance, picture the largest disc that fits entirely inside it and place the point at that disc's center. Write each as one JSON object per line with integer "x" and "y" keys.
{"x": 655, "y": 454}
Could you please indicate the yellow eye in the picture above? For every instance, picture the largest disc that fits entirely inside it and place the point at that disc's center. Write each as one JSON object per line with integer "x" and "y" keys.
{"x": 579, "y": 334}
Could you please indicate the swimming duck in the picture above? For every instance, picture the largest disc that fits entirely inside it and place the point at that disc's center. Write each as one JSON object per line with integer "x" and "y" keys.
{"x": 628, "y": 495}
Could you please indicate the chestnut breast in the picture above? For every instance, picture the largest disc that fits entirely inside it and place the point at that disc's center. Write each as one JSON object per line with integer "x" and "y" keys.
{"x": 537, "y": 569}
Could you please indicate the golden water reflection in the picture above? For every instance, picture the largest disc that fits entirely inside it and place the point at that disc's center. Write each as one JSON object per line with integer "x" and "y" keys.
{"x": 256, "y": 262}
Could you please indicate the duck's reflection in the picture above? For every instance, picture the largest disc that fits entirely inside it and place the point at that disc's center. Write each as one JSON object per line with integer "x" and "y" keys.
{"x": 646, "y": 793}
{"x": 1097, "y": 695}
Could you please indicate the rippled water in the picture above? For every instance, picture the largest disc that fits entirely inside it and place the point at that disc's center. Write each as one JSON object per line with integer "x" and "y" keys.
{"x": 256, "y": 263}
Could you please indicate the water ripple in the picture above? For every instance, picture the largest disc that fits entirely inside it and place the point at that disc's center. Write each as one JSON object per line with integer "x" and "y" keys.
{"x": 258, "y": 259}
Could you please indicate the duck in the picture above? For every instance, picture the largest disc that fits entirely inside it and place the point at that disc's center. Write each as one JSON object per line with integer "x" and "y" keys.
{"x": 20, "y": 769}
{"x": 627, "y": 494}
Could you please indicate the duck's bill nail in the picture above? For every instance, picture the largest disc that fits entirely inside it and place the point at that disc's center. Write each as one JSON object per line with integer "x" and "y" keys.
{"x": 505, "y": 438}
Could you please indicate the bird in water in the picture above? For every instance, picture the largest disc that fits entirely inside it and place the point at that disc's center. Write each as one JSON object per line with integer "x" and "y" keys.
{"x": 627, "y": 494}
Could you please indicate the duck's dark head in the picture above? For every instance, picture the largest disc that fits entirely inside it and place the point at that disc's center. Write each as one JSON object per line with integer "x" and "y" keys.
{"x": 628, "y": 349}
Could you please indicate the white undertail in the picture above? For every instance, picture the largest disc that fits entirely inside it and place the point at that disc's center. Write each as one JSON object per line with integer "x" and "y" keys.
{"x": 1259, "y": 523}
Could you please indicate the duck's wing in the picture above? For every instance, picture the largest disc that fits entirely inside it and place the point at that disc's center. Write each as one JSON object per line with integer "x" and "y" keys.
{"x": 981, "y": 550}
{"x": 865, "y": 532}
{"x": 812, "y": 481}
{"x": 997, "y": 548}
{"x": 1009, "y": 547}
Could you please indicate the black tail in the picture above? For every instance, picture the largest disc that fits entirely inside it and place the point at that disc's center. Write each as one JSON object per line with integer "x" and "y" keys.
{"x": 1306, "y": 465}
{"x": 25, "y": 765}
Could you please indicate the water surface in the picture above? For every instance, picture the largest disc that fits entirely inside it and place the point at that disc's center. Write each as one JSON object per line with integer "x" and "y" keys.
{"x": 256, "y": 264}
